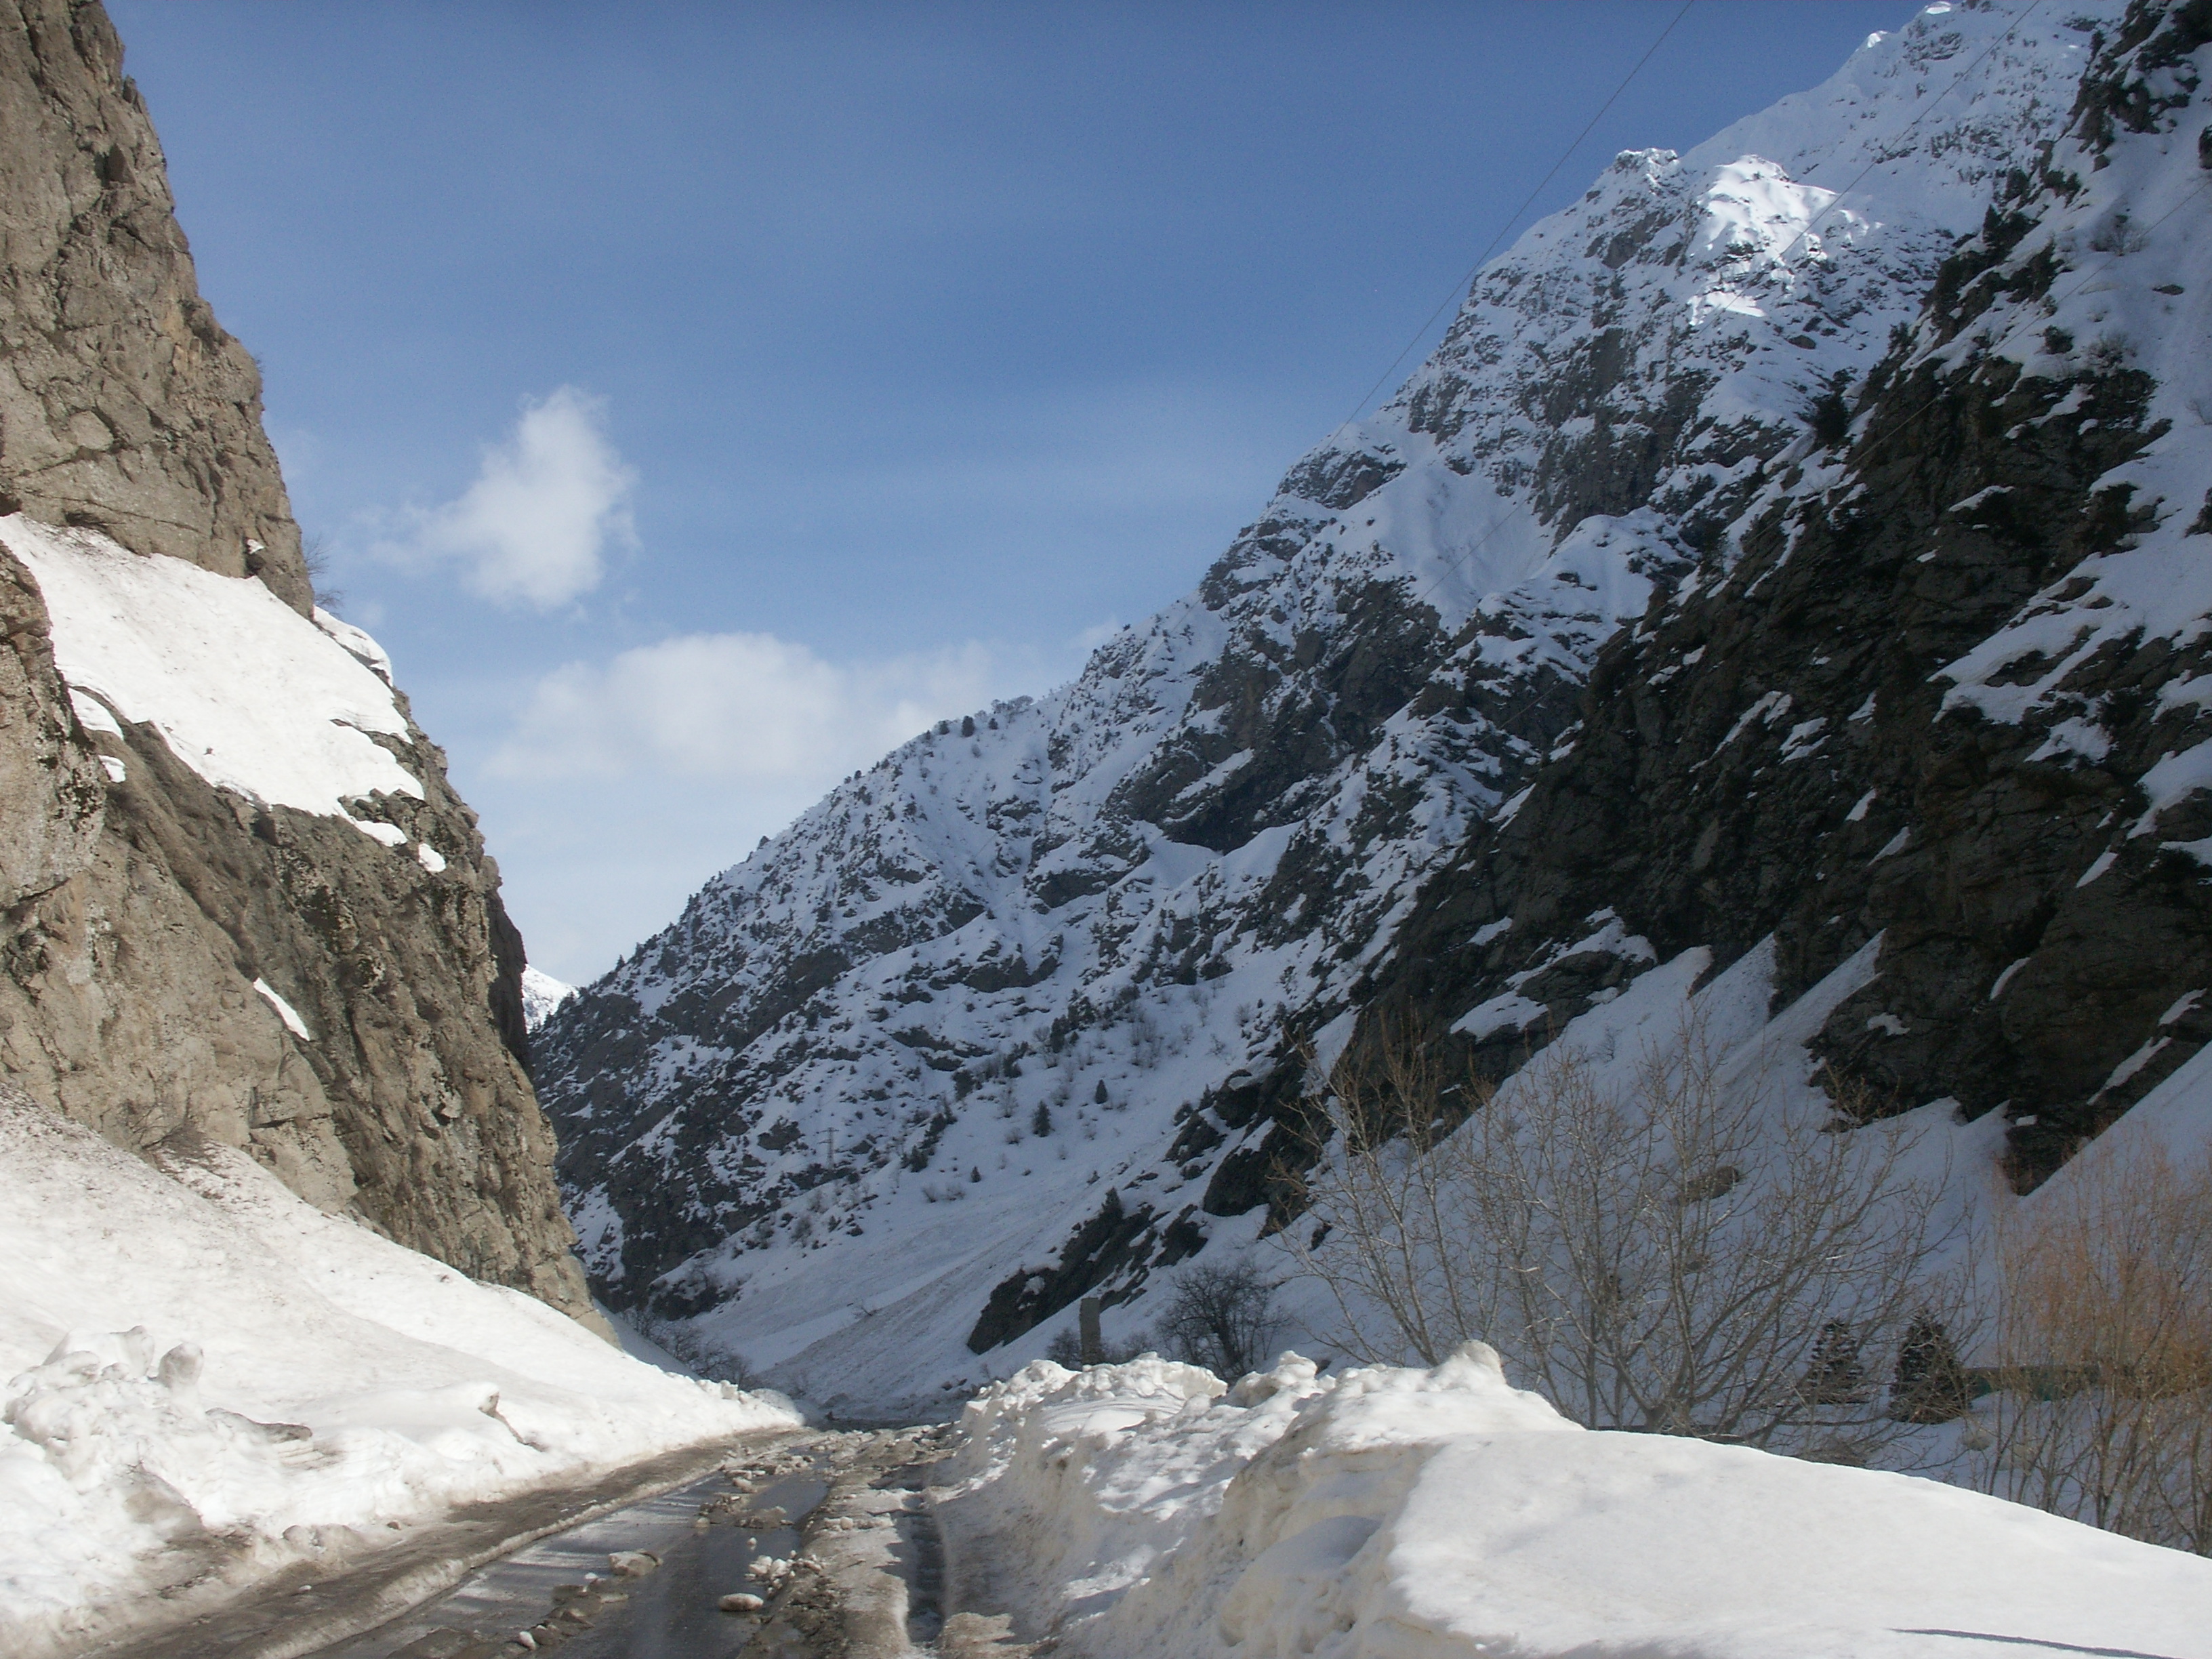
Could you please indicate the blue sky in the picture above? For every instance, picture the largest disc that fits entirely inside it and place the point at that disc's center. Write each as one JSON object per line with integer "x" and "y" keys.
{"x": 697, "y": 399}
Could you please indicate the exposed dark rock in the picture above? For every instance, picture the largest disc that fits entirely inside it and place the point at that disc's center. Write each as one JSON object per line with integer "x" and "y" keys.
{"x": 1778, "y": 756}
{"x": 1113, "y": 1241}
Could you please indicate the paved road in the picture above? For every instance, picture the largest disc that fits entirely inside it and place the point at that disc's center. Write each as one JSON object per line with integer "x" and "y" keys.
{"x": 869, "y": 1588}
{"x": 308, "y": 1607}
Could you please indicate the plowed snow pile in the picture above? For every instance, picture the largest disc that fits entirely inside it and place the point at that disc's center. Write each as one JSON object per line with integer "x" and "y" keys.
{"x": 209, "y": 1379}
{"x": 1144, "y": 1509}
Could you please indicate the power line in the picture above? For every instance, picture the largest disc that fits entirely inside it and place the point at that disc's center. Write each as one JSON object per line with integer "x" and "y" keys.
{"x": 1956, "y": 80}
{"x": 2197, "y": 191}
{"x": 1927, "y": 107}
{"x": 1475, "y": 269}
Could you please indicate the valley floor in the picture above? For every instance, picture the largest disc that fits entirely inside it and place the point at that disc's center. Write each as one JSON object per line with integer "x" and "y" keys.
{"x": 1145, "y": 1509}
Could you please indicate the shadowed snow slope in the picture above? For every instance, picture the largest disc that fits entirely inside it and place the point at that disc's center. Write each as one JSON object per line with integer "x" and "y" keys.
{"x": 1008, "y": 1017}
{"x": 210, "y": 1379}
{"x": 1140, "y": 1510}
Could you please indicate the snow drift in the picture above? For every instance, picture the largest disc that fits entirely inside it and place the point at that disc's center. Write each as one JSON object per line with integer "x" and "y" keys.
{"x": 1145, "y": 1509}
{"x": 209, "y": 1379}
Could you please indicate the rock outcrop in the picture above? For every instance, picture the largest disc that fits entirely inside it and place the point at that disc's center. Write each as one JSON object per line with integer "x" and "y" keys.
{"x": 192, "y": 937}
{"x": 122, "y": 403}
{"x": 1945, "y": 686}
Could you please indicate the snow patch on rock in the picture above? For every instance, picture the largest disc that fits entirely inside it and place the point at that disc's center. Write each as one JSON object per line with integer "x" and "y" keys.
{"x": 243, "y": 690}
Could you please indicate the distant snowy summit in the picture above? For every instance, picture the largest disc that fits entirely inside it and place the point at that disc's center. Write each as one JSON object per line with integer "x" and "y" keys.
{"x": 541, "y": 994}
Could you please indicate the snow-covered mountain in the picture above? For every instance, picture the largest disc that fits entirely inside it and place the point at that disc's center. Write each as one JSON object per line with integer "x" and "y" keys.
{"x": 541, "y": 994}
{"x": 1930, "y": 737}
{"x": 1006, "y": 1019}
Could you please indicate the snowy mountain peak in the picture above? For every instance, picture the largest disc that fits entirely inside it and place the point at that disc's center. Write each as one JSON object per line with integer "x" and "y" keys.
{"x": 541, "y": 994}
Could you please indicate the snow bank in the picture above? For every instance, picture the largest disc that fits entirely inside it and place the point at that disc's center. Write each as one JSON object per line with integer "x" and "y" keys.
{"x": 244, "y": 690}
{"x": 1142, "y": 1509}
{"x": 209, "y": 1380}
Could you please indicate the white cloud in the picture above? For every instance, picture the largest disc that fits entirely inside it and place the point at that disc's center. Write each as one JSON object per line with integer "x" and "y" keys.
{"x": 744, "y": 709}
{"x": 1091, "y": 638}
{"x": 535, "y": 525}
{"x": 623, "y": 785}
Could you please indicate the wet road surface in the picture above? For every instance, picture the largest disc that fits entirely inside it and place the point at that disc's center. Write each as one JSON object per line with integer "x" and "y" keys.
{"x": 650, "y": 1580}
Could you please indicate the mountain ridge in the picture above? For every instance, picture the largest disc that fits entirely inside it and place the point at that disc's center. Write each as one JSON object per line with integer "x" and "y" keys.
{"x": 1990, "y": 758}
{"x": 1090, "y": 929}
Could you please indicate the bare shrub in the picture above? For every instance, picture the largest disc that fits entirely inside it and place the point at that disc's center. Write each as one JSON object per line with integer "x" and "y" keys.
{"x": 2101, "y": 1406}
{"x": 1066, "y": 1348}
{"x": 315, "y": 556}
{"x": 1223, "y": 1318}
{"x": 1669, "y": 1256}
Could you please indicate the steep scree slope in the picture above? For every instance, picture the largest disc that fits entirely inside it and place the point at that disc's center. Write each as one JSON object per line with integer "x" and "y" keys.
{"x": 240, "y": 898}
{"x": 1004, "y": 1018}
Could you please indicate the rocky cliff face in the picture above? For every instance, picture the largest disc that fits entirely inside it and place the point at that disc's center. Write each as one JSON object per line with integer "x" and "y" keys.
{"x": 1941, "y": 688}
{"x": 1006, "y": 1018}
{"x": 240, "y": 898}
{"x": 122, "y": 403}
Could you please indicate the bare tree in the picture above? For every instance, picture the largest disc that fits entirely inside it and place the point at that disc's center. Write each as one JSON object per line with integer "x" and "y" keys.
{"x": 315, "y": 556}
{"x": 2101, "y": 1406}
{"x": 1671, "y": 1255}
{"x": 1223, "y": 1318}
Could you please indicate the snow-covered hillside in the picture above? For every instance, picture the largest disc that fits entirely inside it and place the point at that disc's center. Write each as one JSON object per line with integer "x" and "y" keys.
{"x": 1943, "y": 687}
{"x": 1004, "y": 1020}
{"x": 1145, "y": 1509}
{"x": 209, "y": 1380}
{"x": 541, "y": 994}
